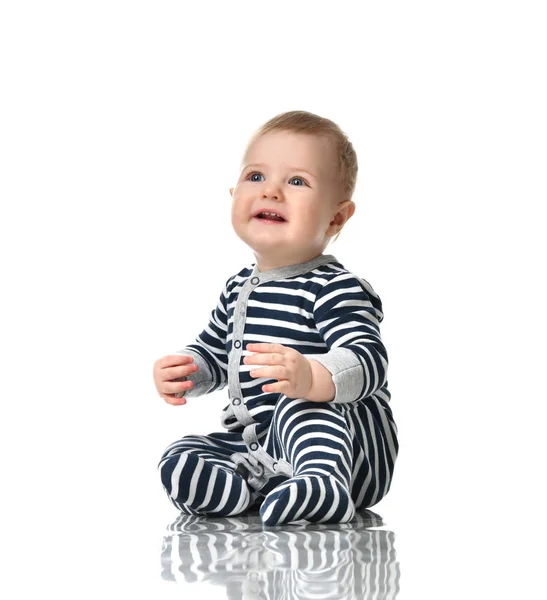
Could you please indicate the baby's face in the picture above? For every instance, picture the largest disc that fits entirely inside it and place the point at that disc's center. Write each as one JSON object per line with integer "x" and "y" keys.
{"x": 293, "y": 175}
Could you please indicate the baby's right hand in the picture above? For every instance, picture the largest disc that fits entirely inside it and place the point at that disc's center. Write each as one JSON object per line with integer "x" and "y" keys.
{"x": 170, "y": 374}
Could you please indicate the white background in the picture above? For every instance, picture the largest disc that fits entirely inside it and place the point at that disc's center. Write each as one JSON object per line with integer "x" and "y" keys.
{"x": 121, "y": 129}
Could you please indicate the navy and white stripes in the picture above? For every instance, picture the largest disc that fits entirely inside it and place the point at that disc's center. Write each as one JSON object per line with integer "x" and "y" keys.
{"x": 345, "y": 450}
{"x": 320, "y": 561}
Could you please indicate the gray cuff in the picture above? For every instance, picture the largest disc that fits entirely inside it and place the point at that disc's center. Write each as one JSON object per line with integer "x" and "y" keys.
{"x": 347, "y": 373}
{"x": 202, "y": 378}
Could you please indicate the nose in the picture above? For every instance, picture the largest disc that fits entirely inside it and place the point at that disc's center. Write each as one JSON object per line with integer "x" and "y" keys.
{"x": 271, "y": 190}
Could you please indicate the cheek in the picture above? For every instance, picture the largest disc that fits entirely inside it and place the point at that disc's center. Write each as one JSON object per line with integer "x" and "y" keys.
{"x": 233, "y": 208}
{"x": 236, "y": 201}
{"x": 239, "y": 208}
{"x": 309, "y": 218}
{"x": 235, "y": 215}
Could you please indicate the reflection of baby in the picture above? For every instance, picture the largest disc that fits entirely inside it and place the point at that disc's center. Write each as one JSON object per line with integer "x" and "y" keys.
{"x": 303, "y": 561}
{"x": 309, "y": 433}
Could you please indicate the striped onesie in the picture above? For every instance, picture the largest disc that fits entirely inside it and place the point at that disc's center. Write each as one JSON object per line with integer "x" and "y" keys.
{"x": 295, "y": 459}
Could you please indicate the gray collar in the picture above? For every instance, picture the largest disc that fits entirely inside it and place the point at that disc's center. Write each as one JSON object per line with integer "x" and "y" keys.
{"x": 292, "y": 270}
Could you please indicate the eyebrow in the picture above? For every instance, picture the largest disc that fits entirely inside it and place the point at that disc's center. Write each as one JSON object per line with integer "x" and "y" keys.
{"x": 290, "y": 168}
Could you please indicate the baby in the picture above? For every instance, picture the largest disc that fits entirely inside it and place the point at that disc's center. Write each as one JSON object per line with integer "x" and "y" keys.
{"x": 309, "y": 433}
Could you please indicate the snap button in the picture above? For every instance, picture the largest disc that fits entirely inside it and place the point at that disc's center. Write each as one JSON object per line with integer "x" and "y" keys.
{"x": 237, "y": 344}
{"x": 255, "y": 280}
{"x": 236, "y": 401}
{"x": 254, "y": 446}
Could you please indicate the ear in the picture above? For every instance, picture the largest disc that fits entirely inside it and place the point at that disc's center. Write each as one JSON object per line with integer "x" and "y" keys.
{"x": 345, "y": 211}
{"x": 231, "y": 191}
{"x": 350, "y": 209}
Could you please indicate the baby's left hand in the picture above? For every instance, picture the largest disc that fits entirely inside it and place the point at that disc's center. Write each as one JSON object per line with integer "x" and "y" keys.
{"x": 291, "y": 369}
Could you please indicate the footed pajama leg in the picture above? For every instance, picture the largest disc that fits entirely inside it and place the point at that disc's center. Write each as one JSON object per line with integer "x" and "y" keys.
{"x": 316, "y": 440}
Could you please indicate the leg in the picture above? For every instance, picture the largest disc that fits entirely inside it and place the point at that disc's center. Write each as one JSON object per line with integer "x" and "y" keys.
{"x": 375, "y": 449}
{"x": 315, "y": 438}
{"x": 199, "y": 477}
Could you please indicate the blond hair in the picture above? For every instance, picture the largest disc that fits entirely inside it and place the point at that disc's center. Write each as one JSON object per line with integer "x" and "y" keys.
{"x": 301, "y": 121}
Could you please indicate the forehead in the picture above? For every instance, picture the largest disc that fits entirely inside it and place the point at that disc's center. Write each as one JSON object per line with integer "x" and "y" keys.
{"x": 314, "y": 153}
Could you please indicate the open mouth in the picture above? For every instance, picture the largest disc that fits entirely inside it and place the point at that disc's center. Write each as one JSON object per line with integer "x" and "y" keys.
{"x": 268, "y": 218}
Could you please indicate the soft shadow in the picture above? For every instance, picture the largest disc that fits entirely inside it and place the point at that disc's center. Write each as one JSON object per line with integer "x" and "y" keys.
{"x": 296, "y": 561}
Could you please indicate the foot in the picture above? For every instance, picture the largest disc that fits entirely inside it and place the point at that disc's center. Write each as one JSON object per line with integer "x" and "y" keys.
{"x": 313, "y": 498}
{"x": 198, "y": 487}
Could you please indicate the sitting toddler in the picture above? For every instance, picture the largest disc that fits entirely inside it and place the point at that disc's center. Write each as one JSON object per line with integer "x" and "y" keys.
{"x": 308, "y": 432}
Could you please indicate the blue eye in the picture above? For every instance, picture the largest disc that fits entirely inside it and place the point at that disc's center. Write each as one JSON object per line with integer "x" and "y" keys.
{"x": 252, "y": 175}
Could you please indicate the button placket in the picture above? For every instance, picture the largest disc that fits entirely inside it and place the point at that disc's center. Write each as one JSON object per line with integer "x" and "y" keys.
{"x": 257, "y": 456}
{"x": 257, "y": 451}
{"x": 241, "y": 412}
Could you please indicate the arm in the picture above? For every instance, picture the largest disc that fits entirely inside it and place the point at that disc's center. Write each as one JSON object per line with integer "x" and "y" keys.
{"x": 347, "y": 315}
{"x": 322, "y": 387}
{"x": 209, "y": 353}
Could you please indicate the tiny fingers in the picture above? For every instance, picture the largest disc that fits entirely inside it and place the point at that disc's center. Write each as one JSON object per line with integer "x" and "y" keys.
{"x": 174, "y": 400}
{"x": 272, "y": 387}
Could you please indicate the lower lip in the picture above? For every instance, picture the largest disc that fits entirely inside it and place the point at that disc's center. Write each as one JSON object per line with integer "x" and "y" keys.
{"x": 270, "y": 222}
